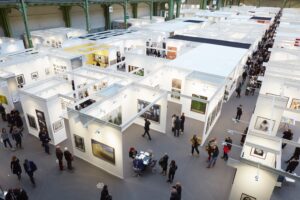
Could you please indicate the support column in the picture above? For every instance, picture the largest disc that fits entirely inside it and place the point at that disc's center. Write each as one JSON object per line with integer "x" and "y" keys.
{"x": 5, "y": 22}
{"x": 151, "y": 9}
{"x": 87, "y": 15}
{"x": 258, "y": 3}
{"x": 204, "y": 4}
{"x": 155, "y": 8}
{"x": 163, "y": 8}
{"x": 23, "y": 10}
{"x": 178, "y": 7}
{"x": 134, "y": 7}
{"x": 66, "y": 15}
{"x": 171, "y": 10}
{"x": 125, "y": 13}
{"x": 238, "y": 2}
{"x": 107, "y": 17}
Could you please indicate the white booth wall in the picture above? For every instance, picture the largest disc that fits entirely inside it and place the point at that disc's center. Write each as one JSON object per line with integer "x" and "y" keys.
{"x": 102, "y": 133}
{"x": 8, "y": 88}
{"x": 245, "y": 183}
{"x": 10, "y": 45}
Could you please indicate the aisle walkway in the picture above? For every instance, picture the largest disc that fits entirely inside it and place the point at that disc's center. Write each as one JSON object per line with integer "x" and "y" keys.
{"x": 197, "y": 180}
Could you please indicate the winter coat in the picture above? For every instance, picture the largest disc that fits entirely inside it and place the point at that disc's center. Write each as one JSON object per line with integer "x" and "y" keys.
{"x": 15, "y": 167}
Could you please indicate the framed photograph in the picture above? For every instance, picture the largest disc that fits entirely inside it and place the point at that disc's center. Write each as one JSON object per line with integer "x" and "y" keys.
{"x": 103, "y": 151}
{"x": 264, "y": 124}
{"x": 79, "y": 143}
{"x": 41, "y": 120}
{"x": 287, "y": 98}
{"x": 197, "y": 106}
{"x": 174, "y": 96}
{"x": 20, "y": 79}
{"x": 34, "y": 75}
{"x": 152, "y": 114}
{"x": 247, "y": 197}
{"x": 176, "y": 84}
{"x": 31, "y": 121}
{"x": 57, "y": 125}
{"x": 295, "y": 104}
{"x": 259, "y": 153}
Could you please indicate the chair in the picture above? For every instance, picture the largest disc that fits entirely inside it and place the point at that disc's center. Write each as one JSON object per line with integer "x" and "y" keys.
{"x": 152, "y": 165}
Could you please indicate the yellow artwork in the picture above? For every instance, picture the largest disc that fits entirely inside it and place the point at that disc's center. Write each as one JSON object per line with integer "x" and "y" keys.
{"x": 3, "y": 99}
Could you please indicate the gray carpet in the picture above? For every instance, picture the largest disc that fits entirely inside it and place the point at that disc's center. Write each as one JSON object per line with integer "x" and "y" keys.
{"x": 198, "y": 182}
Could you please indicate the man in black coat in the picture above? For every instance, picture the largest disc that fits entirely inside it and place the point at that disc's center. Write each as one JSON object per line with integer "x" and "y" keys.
{"x": 182, "y": 120}
{"x": 147, "y": 128}
{"x": 30, "y": 168}
{"x": 288, "y": 135}
{"x": 59, "y": 156}
{"x": 45, "y": 139}
{"x": 239, "y": 112}
{"x": 69, "y": 158}
{"x": 177, "y": 127}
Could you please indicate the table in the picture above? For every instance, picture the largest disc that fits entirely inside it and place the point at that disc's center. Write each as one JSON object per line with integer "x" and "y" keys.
{"x": 145, "y": 156}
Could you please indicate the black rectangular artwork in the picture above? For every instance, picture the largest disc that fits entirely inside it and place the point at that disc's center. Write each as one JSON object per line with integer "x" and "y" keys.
{"x": 193, "y": 21}
{"x": 41, "y": 120}
{"x": 261, "y": 18}
{"x": 211, "y": 41}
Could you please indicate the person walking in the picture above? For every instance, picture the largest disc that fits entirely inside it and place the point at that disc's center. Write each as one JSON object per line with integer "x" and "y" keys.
{"x": 178, "y": 188}
{"x": 239, "y": 112}
{"x": 182, "y": 120}
{"x": 5, "y": 138}
{"x": 163, "y": 162}
{"x": 173, "y": 123}
{"x": 16, "y": 167}
{"x": 228, "y": 142}
{"x": 10, "y": 122}
{"x": 18, "y": 120}
{"x": 225, "y": 152}
{"x": 30, "y": 168}
{"x": 295, "y": 154}
{"x": 238, "y": 92}
{"x": 177, "y": 127}
{"x": 209, "y": 147}
{"x": 195, "y": 144}
{"x": 214, "y": 156}
{"x": 17, "y": 136}
{"x": 45, "y": 139}
{"x": 69, "y": 158}
{"x": 174, "y": 194}
{"x": 147, "y": 128}
{"x": 288, "y": 135}
{"x": 244, "y": 76}
{"x": 293, "y": 163}
{"x": 59, "y": 156}
{"x": 172, "y": 170}
{"x": 105, "y": 194}
{"x": 244, "y": 136}
{"x": 2, "y": 112}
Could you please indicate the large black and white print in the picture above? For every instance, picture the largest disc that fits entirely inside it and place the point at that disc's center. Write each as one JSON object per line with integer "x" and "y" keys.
{"x": 57, "y": 125}
{"x": 152, "y": 114}
{"x": 20, "y": 80}
{"x": 31, "y": 121}
{"x": 41, "y": 120}
{"x": 79, "y": 143}
{"x": 246, "y": 197}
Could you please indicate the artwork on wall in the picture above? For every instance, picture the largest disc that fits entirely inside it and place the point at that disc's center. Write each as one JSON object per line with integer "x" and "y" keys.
{"x": 197, "y": 106}
{"x": 103, "y": 151}
{"x": 58, "y": 125}
{"x": 31, "y": 121}
{"x": 34, "y": 75}
{"x": 287, "y": 98}
{"x": 152, "y": 114}
{"x": 176, "y": 87}
{"x": 76, "y": 62}
{"x": 100, "y": 86}
{"x": 114, "y": 116}
{"x": 259, "y": 153}
{"x": 295, "y": 105}
{"x": 47, "y": 71}
{"x": 20, "y": 80}
{"x": 140, "y": 72}
{"x": 246, "y": 197}
{"x": 79, "y": 143}
{"x": 174, "y": 96}
{"x": 41, "y": 120}
{"x": 264, "y": 124}
{"x": 3, "y": 100}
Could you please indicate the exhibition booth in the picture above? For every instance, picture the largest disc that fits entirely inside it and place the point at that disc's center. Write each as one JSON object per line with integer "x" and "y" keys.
{"x": 55, "y": 37}
{"x": 97, "y": 132}
{"x": 288, "y": 56}
{"x": 10, "y": 45}
{"x": 47, "y": 100}
{"x": 136, "y": 22}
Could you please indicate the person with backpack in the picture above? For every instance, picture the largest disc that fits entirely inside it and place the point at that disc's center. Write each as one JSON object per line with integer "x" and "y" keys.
{"x": 172, "y": 169}
{"x": 30, "y": 168}
{"x": 163, "y": 162}
{"x": 105, "y": 194}
{"x": 16, "y": 167}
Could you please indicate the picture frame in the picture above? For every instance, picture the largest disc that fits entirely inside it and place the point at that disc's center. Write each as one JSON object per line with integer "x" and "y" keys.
{"x": 262, "y": 126}
{"x": 41, "y": 120}
{"x": 20, "y": 79}
{"x": 258, "y": 153}
{"x": 176, "y": 84}
{"x": 198, "y": 107}
{"x": 153, "y": 114}
{"x": 32, "y": 122}
{"x": 79, "y": 143}
{"x": 247, "y": 197}
{"x": 295, "y": 104}
{"x": 34, "y": 75}
{"x": 174, "y": 96}
{"x": 103, "y": 151}
{"x": 58, "y": 125}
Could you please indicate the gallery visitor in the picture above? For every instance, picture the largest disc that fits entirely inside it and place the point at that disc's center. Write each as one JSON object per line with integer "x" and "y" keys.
{"x": 288, "y": 135}
{"x": 178, "y": 188}
{"x": 174, "y": 194}
{"x": 244, "y": 136}
{"x": 30, "y": 168}
{"x": 147, "y": 128}
{"x": 214, "y": 156}
{"x": 105, "y": 194}
{"x": 172, "y": 170}
{"x": 5, "y": 138}
{"x": 239, "y": 112}
{"x": 177, "y": 126}
{"x": 69, "y": 158}
{"x": 45, "y": 139}
{"x": 195, "y": 144}
{"x": 173, "y": 123}
{"x": 17, "y": 136}
{"x": 295, "y": 154}
{"x": 182, "y": 120}
{"x": 15, "y": 167}
{"x": 163, "y": 163}
{"x": 59, "y": 156}
{"x": 293, "y": 163}
{"x": 209, "y": 147}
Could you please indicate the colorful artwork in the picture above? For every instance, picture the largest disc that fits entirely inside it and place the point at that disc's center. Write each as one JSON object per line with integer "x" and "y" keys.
{"x": 3, "y": 99}
{"x": 103, "y": 151}
{"x": 197, "y": 106}
{"x": 295, "y": 105}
